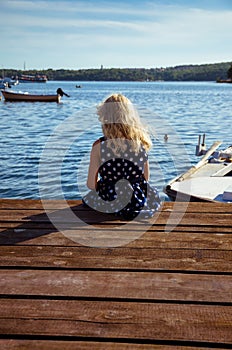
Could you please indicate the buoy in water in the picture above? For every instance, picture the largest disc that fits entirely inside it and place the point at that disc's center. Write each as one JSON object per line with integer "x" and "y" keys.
{"x": 166, "y": 137}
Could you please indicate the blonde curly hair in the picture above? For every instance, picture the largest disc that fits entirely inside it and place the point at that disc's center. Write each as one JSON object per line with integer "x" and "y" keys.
{"x": 120, "y": 121}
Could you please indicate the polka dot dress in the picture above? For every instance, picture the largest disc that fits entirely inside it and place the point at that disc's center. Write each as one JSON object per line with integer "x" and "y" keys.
{"x": 122, "y": 188}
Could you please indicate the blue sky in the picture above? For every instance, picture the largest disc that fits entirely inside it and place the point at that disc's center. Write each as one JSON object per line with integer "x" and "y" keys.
{"x": 87, "y": 34}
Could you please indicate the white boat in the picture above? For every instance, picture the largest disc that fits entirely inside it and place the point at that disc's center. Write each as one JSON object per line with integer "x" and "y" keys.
{"x": 3, "y": 85}
{"x": 8, "y": 82}
{"x": 209, "y": 180}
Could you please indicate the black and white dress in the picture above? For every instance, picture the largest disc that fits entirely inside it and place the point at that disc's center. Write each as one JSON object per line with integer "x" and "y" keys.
{"x": 122, "y": 188}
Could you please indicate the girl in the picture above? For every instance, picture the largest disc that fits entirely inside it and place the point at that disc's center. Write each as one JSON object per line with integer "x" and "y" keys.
{"x": 119, "y": 169}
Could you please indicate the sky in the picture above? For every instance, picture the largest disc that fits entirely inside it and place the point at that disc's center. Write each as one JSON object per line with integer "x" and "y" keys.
{"x": 75, "y": 34}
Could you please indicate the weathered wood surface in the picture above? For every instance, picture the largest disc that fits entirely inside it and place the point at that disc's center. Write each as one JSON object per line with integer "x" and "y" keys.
{"x": 123, "y": 284}
{"x": 171, "y": 288}
{"x": 120, "y": 320}
{"x": 82, "y": 345}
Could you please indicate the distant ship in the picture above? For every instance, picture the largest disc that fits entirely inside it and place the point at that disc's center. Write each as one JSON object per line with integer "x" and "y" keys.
{"x": 24, "y": 78}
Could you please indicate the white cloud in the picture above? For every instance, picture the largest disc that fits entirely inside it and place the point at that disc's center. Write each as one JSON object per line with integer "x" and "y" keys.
{"x": 128, "y": 35}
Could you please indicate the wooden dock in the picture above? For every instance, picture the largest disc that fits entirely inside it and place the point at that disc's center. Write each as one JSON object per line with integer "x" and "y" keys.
{"x": 170, "y": 288}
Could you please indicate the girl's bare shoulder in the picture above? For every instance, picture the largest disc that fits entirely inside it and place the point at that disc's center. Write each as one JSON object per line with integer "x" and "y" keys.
{"x": 96, "y": 142}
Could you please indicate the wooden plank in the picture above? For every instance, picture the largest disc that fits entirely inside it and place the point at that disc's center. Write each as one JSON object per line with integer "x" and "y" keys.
{"x": 117, "y": 258}
{"x": 28, "y": 214}
{"x": 133, "y": 226}
{"x": 223, "y": 219}
{"x": 59, "y": 204}
{"x": 117, "y": 285}
{"x": 197, "y": 207}
{"x": 16, "y": 344}
{"x": 116, "y": 320}
{"x": 33, "y": 203}
{"x": 48, "y": 228}
{"x": 150, "y": 239}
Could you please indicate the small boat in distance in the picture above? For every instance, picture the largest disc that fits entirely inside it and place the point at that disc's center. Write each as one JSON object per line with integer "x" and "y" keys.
{"x": 3, "y": 85}
{"x": 228, "y": 81}
{"x": 37, "y": 78}
{"x": 26, "y": 97}
{"x": 210, "y": 180}
{"x": 8, "y": 82}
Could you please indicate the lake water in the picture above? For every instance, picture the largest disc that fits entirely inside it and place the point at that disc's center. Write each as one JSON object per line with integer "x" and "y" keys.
{"x": 45, "y": 146}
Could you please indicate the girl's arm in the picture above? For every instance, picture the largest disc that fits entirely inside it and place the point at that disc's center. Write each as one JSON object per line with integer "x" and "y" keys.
{"x": 94, "y": 166}
{"x": 146, "y": 170}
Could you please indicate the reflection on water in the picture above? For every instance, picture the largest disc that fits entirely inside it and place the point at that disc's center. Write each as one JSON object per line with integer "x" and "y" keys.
{"x": 59, "y": 136}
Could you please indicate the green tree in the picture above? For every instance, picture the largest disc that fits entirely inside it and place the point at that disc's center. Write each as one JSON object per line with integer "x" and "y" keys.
{"x": 229, "y": 72}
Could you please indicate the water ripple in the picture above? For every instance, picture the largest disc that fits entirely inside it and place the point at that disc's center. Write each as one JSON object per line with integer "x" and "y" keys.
{"x": 183, "y": 110}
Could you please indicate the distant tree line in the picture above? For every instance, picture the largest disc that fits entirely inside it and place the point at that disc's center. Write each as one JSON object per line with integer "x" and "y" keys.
{"x": 203, "y": 72}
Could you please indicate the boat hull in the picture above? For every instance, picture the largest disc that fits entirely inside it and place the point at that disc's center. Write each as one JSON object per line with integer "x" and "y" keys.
{"x": 23, "y": 97}
{"x": 183, "y": 197}
{"x": 31, "y": 81}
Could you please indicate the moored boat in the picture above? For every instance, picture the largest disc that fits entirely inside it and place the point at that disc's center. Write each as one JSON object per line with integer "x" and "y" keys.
{"x": 209, "y": 180}
{"x": 227, "y": 81}
{"x": 26, "y": 97}
{"x": 8, "y": 82}
{"x": 3, "y": 85}
{"x": 25, "y": 78}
